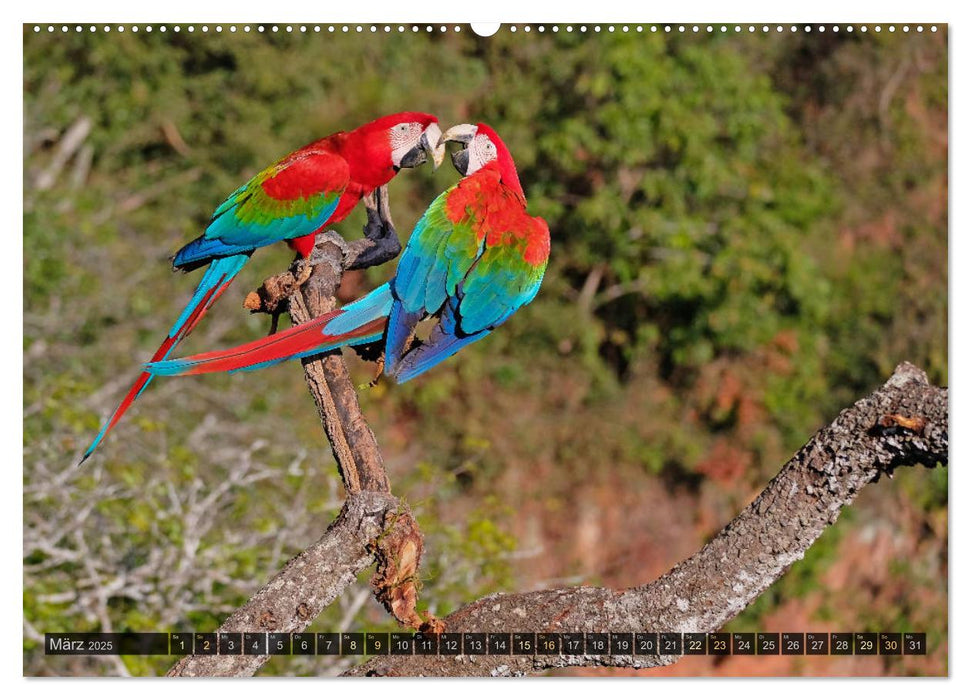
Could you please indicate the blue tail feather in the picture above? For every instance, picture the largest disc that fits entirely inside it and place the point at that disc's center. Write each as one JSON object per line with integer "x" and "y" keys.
{"x": 219, "y": 273}
{"x": 373, "y": 305}
{"x": 355, "y": 324}
{"x": 215, "y": 280}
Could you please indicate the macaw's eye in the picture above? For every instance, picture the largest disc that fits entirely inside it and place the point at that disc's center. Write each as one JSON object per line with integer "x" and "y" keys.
{"x": 402, "y": 128}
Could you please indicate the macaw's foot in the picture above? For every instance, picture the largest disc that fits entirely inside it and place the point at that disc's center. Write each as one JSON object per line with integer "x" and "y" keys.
{"x": 377, "y": 375}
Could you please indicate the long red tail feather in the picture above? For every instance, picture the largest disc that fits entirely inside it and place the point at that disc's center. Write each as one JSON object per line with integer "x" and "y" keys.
{"x": 300, "y": 340}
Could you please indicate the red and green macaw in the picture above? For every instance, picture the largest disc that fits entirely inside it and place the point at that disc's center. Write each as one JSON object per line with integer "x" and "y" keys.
{"x": 473, "y": 259}
{"x": 291, "y": 200}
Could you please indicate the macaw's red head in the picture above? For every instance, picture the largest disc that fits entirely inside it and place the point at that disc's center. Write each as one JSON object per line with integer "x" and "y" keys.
{"x": 377, "y": 150}
{"x": 481, "y": 146}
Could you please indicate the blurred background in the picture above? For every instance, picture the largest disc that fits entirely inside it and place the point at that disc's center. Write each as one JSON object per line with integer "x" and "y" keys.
{"x": 749, "y": 233}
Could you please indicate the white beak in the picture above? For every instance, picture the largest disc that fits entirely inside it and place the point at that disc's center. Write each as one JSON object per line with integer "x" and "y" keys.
{"x": 463, "y": 133}
{"x": 432, "y": 138}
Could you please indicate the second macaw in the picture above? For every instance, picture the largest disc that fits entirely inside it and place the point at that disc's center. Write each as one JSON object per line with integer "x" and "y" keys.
{"x": 291, "y": 200}
{"x": 474, "y": 258}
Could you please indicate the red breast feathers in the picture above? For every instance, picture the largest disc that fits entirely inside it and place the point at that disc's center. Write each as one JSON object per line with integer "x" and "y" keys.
{"x": 498, "y": 213}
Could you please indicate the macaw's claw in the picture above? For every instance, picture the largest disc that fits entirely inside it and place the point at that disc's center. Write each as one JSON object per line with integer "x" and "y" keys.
{"x": 377, "y": 375}
{"x": 304, "y": 269}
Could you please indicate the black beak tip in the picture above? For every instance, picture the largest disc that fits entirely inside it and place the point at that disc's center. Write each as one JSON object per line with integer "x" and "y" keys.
{"x": 413, "y": 158}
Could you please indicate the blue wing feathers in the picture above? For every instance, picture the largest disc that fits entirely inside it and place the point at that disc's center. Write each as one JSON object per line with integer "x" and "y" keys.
{"x": 401, "y": 323}
{"x": 203, "y": 249}
{"x": 227, "y": 235}
{"x": 441, "y": 344}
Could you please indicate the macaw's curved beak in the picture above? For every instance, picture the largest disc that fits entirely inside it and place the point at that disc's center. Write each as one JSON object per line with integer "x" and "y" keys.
{"x": 463, "y": 134}
{"x": 428, "y": 145}
{"x": 431, "y": 141}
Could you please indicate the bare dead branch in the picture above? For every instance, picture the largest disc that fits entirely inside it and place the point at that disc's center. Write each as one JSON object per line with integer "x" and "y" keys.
{"x": 305, "y": 586}
{"x": 904, "y": 422}
{"x": 71, "y": 141}
{"x": 172, "y": 136}
{"x": 398, "y": 552}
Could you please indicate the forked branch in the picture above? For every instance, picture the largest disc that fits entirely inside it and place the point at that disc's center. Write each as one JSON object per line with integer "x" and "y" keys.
{"x": 374, "y": 526}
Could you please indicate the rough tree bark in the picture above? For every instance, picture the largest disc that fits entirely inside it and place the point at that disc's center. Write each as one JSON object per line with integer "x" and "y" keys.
{"x": 904, "y": 422}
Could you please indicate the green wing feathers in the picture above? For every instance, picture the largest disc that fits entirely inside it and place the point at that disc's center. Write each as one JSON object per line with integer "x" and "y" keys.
{"x": 292, "y": 198}
{"x": 477, "y": 245}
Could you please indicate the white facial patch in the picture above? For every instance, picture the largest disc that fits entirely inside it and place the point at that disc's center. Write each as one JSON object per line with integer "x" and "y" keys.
{"x": 481, "y": 151}
{"x": 404, "y": 137}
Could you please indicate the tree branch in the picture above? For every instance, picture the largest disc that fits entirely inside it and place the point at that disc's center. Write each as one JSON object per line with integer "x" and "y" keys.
{"x": 373, "y": 526}
{"x": 305, "y": 586}
{"x": 904, "y": 422}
